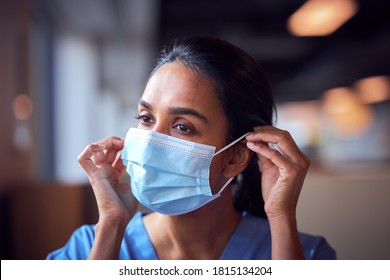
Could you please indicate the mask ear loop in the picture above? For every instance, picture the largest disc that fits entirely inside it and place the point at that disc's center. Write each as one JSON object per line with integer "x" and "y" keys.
{"x": 225, "y": 148}
{"x": 231, "y": 144}
{"x": 224, "y": 186}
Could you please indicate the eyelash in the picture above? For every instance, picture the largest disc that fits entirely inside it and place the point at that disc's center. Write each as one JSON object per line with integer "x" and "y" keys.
{"x": 186, "y": 130}
{"x": 146, "y": 120}
{"x": 143, "y": 118}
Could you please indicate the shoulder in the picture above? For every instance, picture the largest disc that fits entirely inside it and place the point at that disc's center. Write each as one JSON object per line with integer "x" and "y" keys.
{"x": 316, "y": 247}
{"x": 78, "y": 245}
{"x": 135, "y": 243}
{"x": 257, "y": 228}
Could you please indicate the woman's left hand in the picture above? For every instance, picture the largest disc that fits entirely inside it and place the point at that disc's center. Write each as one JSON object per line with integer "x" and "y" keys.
{"x": 283, "y": 170}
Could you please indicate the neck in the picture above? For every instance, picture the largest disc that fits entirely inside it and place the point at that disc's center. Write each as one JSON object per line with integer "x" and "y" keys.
{"x": 201, "y": 234}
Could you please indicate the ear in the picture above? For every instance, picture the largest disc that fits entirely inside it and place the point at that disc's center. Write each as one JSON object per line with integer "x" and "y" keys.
{"x": 237, "y": 160}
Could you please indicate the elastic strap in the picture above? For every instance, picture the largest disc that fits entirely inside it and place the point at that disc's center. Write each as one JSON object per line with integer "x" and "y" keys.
{"x": 224, "y": 186}
{"x": 225, "y": 148}
{"x": 231, "y": 144}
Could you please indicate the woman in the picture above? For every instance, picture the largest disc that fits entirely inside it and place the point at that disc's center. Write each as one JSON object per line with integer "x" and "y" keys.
{"x": 209, "y": 198}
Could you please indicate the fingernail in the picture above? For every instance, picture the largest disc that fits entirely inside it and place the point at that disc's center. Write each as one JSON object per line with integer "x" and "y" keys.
{"x": 250, "y": 144}
{"x": 117, "y": 141}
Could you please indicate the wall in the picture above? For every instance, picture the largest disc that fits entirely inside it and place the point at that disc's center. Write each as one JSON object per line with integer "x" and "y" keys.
{"x": 15, "y": 162}
{"x": 42, "y": 217}
{"x": 351, "y": 209}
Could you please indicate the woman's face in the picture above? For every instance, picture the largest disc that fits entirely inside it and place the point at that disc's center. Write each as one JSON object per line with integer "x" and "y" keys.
{"x": 179, "y": 103}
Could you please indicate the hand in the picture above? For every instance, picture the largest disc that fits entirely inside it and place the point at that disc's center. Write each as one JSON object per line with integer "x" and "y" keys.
{"x": 283, "y": 172}
{"x": 103, "y": 165}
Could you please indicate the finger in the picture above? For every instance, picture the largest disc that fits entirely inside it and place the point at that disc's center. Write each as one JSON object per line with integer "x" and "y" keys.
{"x": 270, "y": 134}
{"x": 286, "y": 167}
{"x": 111, "y": 146}
{"x": 265, "y": 163}
{"x": 85, "y": 157}
{"x": 265, "y": 152}
{"x": 271, "y": 159}
{"x": 98, "y": 157}
{"x": 110, "y": 156}
{"x": 114, "y": 143}
{"x": 118, "y": 165}
{"x": 281, "y": 138}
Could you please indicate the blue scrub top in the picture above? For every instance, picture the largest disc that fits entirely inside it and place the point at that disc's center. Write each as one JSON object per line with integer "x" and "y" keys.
{"x": 250, "y": 241}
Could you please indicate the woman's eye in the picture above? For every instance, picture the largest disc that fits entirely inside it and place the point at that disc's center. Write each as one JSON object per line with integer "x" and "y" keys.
{"x": 183, "y": 128}
{"x": 143, "y": 118}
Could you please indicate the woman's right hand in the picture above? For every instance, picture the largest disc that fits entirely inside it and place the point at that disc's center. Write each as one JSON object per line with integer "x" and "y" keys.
{"x": 103, "y": 165}
{"x": 116, "y": 204}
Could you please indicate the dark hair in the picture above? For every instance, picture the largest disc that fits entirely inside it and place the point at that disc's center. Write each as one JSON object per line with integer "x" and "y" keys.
{"x": 245, "y": 95}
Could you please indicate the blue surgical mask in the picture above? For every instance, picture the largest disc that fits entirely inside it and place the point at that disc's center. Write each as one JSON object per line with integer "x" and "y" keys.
{"x": 169, "y": 175}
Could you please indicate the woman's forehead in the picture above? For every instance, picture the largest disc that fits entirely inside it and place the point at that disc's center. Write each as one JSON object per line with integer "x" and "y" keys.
{"x": 176, "y": 84}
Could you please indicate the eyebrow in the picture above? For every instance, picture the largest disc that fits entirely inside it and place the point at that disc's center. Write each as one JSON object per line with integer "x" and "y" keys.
{"x": 187, "y": 111}
{"x": 145, "y": 104}
{"x": 176, "y": 110}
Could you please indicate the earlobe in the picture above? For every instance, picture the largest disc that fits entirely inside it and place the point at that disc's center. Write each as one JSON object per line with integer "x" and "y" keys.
{"x": 239, "y": 159}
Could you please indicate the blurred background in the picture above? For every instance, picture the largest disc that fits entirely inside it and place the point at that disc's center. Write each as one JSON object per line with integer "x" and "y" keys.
{"x": 72, "y": 71}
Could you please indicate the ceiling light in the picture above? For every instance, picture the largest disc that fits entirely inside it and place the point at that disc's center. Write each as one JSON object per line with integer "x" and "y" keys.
{"x": 373, "y": 89}
{"x": 321, "y": 17}
{"x": 345, "y": 112}
{"x": 22, "y": 107}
